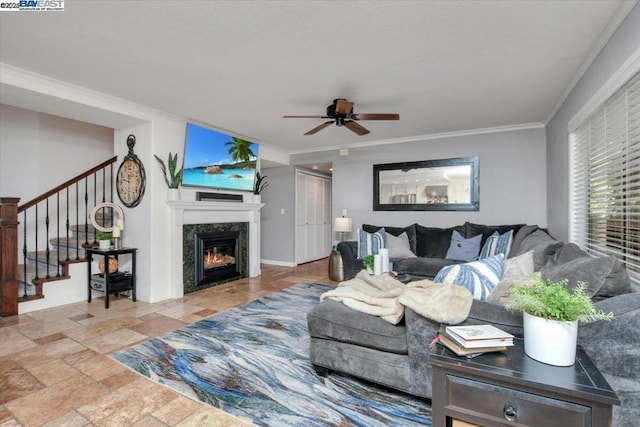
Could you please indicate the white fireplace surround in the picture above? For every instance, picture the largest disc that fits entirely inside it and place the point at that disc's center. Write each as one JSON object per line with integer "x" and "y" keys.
{"x": 207, "y": 212}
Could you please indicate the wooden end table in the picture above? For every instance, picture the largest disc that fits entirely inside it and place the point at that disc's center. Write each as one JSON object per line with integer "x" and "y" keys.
{"x": 111, "y": 283}
{"x": 511, "y": 389}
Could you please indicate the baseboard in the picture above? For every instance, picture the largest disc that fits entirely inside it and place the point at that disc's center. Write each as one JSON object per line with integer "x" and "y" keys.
{"x": 278, "y": 263}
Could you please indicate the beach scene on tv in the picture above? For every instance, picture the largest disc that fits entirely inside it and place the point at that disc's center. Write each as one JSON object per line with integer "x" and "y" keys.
{"x": 214, "y": 159}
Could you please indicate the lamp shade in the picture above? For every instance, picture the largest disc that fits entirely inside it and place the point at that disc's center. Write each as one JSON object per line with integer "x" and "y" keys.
{"x": 342, "y": 225}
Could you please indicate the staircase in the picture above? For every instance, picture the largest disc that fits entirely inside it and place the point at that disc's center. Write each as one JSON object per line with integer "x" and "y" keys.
{"x": 37, "y": 240}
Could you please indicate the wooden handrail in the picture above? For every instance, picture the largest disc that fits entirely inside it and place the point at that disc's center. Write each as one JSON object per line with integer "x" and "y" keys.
{"x": 66, "y": 184}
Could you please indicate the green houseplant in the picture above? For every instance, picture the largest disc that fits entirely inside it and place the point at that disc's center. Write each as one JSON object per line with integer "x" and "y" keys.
{"x": 172, "y": 176}
{"x": 260, "y": 184}
{"x": 104, "y": 239}
{"x": 368, "y": 262}
{"x": 551, "y": 313}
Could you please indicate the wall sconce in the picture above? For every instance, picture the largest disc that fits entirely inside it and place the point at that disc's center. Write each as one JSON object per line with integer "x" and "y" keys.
{"x": 343, "y": 226}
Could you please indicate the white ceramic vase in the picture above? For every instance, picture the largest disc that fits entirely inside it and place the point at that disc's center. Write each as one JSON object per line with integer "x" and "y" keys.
{"x": 104, "y": 244}
{"x": 173, "y": 194}
{"x": 550, "y": 341}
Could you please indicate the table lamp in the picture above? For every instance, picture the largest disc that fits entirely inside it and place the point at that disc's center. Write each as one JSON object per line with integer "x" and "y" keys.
{"x": 343, "y": 226}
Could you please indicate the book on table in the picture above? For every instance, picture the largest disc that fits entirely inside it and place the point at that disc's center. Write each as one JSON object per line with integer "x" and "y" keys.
{"x": 476, "y": 336}
{"x": 459, "y": 350}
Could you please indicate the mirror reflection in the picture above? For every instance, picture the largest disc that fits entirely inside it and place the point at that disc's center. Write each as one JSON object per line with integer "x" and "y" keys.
{"x": 449, "y": 184}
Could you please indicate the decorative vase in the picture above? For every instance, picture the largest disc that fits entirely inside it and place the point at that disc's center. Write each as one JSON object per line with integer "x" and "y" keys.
{"x": 336, "y": 267}
{"x": 104, "y": 244}
{"x": 550, "y": 341}
{"x": 173, "y": 194}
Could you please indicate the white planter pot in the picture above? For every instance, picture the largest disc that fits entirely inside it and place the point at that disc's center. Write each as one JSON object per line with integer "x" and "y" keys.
{"x": 550, "y": 341}
{"x": 173, "y": 194}
{"x": 256, "y": 198}
{"x": 104, "y": 244}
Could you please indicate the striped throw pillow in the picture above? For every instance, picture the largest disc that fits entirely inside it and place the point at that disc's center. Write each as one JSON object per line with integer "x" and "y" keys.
{"x": 479, "y": 277}
{"x": 371, "y": 243}
{"x": 497, "y": 244}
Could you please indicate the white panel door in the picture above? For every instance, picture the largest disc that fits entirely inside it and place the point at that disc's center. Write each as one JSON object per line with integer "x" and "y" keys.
{"x": 313, "y": 217}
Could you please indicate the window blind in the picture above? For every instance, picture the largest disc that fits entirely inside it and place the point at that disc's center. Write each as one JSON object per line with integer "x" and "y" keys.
{"x": 605, "y": 179}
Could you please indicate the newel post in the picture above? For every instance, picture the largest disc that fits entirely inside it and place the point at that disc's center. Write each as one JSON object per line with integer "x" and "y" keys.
{"x": 8, "y": 256}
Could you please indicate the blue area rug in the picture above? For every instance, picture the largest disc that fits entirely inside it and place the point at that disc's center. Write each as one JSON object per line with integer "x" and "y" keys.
{"x": 253, "y": 362}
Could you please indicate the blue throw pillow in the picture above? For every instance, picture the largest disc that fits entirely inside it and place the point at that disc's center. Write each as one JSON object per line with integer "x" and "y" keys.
{"x": 371, "y": 243}
{"x": 479, "y": 277}
{"x": 497, "y": 244}
{"x": 464, "y": 249}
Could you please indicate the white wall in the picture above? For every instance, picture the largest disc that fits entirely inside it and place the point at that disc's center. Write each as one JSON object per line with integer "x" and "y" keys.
{"x": 39, "y": 151}
{"x": 512, "y": 178}
{"x": 620, "y": 47}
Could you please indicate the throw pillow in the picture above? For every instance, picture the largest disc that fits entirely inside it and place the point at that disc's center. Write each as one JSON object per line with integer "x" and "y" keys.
{"x": 543, "y": 246}
{"x": 479, "y": 277}
{"x": 399, "y": 247}
{"x": 497, "y": 244}
{"x": 396, "y": 231}
{"x": 464, "y": 249}
{"x": 518, "y": 267}
{"x": 371, "y": 243}
{"x": 500, "y": 294}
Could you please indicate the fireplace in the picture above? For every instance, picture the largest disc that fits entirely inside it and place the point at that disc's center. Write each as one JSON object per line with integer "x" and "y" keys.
{"x": 213, "y": 254}
{"x": 217, "y": 256}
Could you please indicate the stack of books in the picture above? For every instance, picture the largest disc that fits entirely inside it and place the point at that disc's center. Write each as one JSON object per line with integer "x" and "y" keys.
{"x": 474, "y": 340}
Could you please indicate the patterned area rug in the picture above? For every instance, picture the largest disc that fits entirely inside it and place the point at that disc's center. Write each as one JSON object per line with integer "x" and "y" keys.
{"x": 253, "y": 362}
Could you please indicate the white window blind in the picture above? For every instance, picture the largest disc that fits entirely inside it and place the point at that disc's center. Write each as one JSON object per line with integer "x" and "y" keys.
{"x": 605, "y": 179}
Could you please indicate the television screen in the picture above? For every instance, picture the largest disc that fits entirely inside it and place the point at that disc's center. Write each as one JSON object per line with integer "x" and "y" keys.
{"x": 216, "y": 160}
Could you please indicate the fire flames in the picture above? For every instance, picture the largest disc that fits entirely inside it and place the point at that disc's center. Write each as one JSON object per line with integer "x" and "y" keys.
{"x": 212, "y": 260}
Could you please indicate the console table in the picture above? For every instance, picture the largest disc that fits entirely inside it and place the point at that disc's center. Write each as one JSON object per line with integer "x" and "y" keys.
{"x": 110, "y": 283}
{"x": 509, "y": 388}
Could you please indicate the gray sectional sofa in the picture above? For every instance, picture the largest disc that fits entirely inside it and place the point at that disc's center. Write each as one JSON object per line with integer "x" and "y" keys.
{"x": 397, "y": 356}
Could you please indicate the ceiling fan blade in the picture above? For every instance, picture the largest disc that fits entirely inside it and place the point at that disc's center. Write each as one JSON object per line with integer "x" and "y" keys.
{"x": 343, "y": 106}
{"x": 355, "y": 127}
{"x": 376, "y": 116}
{"x": 305, "y": 117}
{"x": 319, "y": 128}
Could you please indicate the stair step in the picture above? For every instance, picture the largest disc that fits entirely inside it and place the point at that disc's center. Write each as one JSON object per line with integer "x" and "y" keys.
{"x": 73, "y": 243}
{"x": 78, "y": 232}
{"x": 39, "y": 259}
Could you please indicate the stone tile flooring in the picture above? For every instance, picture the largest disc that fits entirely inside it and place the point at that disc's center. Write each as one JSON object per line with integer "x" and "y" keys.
{"x": 55, "y": 369}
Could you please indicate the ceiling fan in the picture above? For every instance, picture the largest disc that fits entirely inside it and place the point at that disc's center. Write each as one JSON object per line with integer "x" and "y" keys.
{"x": 341, "y": 113}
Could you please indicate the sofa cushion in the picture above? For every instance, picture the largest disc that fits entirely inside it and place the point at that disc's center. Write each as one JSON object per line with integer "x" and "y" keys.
{"x": 543, "y": 246}
{"x": 497, "y": 244}
{"x": 519, "y": 236}
{"x": 421, "y": 267}
{"x": 479, "y": 277}
{"x": 604, "y": 276}
{"x": 396, "y": 231}
{"x": 520, "y": 267}
{"x": 370, "y": 243}
{"x": 433, "y": 242}
{"x": 333, "y": 320}
{"x": 470, "y": 229}
{"x": 399, "y": 247}
{"x": 463, "y": 249}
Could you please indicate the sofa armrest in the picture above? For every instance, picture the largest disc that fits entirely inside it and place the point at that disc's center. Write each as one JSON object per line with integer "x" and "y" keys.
{"x": 420, "y": 332}
{"x": 349, "y": 252}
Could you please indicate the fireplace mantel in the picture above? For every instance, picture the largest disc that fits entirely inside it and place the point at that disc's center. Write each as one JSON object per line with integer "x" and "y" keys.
{"x": 207, "y": 212}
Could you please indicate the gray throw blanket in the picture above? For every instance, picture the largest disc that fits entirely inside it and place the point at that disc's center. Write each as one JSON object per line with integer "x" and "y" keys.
{"x": 386, "y": 297}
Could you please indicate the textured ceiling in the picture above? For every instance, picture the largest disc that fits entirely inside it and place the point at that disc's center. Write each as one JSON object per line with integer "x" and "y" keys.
{"x": 239, "y": 66}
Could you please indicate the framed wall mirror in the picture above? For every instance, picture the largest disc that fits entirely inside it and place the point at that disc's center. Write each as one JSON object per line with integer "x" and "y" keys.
{"x": 428, "y": 185}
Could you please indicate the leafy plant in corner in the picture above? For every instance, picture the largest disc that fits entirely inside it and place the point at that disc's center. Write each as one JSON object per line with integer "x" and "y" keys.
{"x": 368, "y": 261}
{"x": 260, "y": 184}
{"x": 171, "y": 177}
{"x": 102, "y": 235}
{"x": 553, "y": 301}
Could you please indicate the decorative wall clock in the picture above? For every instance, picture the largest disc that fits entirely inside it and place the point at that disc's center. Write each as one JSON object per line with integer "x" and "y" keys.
{"x": 131, "y": 179}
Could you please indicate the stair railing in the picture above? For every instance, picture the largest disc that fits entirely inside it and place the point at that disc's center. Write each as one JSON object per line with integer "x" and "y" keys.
{"x": 37, "y": 228}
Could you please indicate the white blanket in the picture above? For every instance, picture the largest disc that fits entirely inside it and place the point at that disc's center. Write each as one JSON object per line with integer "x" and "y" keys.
{"x": 386, "y": 297}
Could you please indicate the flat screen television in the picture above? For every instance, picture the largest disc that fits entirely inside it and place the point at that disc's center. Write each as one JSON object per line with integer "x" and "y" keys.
{"x": 216, "y": 160}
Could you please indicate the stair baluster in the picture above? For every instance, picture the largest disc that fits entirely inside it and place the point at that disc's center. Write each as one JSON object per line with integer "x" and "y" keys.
{"x": 24, "y": 252}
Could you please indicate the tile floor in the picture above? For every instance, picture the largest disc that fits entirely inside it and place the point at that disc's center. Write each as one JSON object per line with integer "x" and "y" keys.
{"x": 55, "y": 369}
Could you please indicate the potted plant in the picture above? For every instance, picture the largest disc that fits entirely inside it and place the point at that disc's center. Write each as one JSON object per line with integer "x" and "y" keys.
{"x": 551, "y": 313}
{"x": 259, "y": 185}
{"x": 104, "y": 240}
{"x": 172, "y": 176}
{"x": 368, "y": 262}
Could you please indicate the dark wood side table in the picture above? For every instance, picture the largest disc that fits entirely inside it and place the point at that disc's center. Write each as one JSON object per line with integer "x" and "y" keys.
{"x": 511, "y": 389}
{"x": 110, "y": 283}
